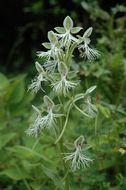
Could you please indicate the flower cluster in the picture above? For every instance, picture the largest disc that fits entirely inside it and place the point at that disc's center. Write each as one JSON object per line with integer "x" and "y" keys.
{"x": 58, "y": 74}
{"x": 60, "y": 48}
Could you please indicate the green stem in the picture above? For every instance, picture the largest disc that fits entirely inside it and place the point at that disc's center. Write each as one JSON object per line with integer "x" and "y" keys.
{"x": 35, "y": 144}
{"x": 24, "y": 180}
{"x": 82, "y": 111}
{"x": 65, "y": 124}
{"x": 66, "y": 176}
{"x": 61, "y": 142}
{"x": 120, "y": 92}
{"x": 96, "y": 124}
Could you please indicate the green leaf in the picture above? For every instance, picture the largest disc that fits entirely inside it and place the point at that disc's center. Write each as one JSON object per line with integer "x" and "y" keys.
{"x": 117, "y": 59}
{"x": 15, "y": 173}
{"x": 5, "y": 138}
{"x": 76, "y": 30}
{"x": 68, "y": 23}
{"x": 28, "y": 97}
{"x": 2, "y": 125}
{"x": 25, "y": 152}
{"x": 35, "y": 185}
{"x": 49, "y": 173}
{"x": 86, "y": 6}
{"x": 60, "y": 30}
{"x": 104, "y": 110}
{"x": 16, "y": 91}
{"x": 4, "y": 82}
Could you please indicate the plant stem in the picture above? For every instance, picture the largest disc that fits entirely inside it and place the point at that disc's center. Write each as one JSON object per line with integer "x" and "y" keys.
{"x": 35, "y": 144}
{"x": 66, "y": 178}
{"x": 64, "y": 126}
{"x": 61, "y": 142}
{"x": 82, "y": 111}
{"x": 24, "y": 180}
{"x": 96, "y": 125}
{"x": 120, "y": 92}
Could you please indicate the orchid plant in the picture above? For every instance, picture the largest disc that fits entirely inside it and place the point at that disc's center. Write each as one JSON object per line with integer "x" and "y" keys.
{"x": 57, "y": 72}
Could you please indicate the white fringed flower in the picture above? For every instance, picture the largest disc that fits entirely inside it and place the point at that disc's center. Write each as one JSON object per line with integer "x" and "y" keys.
{"x": 88, "y": 52}
{"x": 65, "y": 32}
{"x": 67, "y": 38}
{"x": 36, "y": 84}
{"x": 42, "y": 122}
{"x": 47, "y": 121}
{"x": 52, "y": 53}
{"x": 77, "y": 158}
{"x": 36, "y": 127}
{"x": 42, "y": 54}
{"x": 50, "y": 66}
{"x": 85, "y": 50}
{"x": 63, "y": 86}
{"x": 54, "y": 48}
{"x": 89, "y": 108}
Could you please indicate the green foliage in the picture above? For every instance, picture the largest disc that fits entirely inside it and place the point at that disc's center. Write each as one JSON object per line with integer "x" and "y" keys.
{"x": 14, "y": 102}
{"x": 27, "y": 163}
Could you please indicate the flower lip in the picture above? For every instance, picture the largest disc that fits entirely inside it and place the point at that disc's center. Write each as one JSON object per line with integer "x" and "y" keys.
{"x": 77, "y": 158}
{"x": 88, "y": 52}
{"x": 63, "y": 86}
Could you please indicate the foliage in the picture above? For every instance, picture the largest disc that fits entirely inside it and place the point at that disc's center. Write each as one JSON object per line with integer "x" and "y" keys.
{"x": 14, "y": 102}
{"x": 27, "y": 163}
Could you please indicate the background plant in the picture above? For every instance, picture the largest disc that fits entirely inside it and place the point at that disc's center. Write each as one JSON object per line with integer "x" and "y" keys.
{"x": 20, "y": 39}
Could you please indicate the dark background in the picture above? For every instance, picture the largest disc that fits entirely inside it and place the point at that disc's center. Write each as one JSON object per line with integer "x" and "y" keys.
{"x": 24, "y": 25}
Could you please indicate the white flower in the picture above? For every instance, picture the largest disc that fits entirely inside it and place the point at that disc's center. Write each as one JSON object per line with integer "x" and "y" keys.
{"x": 77, "y": 158}
{"x": 42, "y": 54}
{"x": 47, "y": 121}
{"x": 65, "y": 33}
{"x": 52, "y": 53}
{"x": 88, "y": 52}
{"x": 41, "y": 122}
{"x": 36, "y": 127}
{"x": 36, "y": 84}
{"x": 67, "y": 38}
{"x": 89, "y": 108}
{"x": 63, "y": 86}
{"x": 50, "y": 66}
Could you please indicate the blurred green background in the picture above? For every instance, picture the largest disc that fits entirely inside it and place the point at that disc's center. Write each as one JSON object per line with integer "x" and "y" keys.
{"x": 24, "y": 163}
